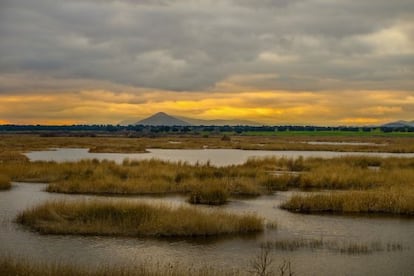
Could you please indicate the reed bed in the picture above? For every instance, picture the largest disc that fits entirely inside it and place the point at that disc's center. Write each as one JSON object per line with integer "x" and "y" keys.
{"x": 260, "y": 265}
{"x": 255, "y": 177}
{"x": 213, "y": 194}
{"x": 26, "y": 142}
{"x": 8, "y": 156}
{"x": 155, "y": 177}
{"x": 369, "y": 179}
{"x": 251, "y": 179}
{"x": 134, "y": 219}
{"x": 390, "y": 201}
{"x": 347, "y": 173}
{"x": 5, "y": 183}
{"x": 342, "y": 247}
{"x": 23, "y": 267}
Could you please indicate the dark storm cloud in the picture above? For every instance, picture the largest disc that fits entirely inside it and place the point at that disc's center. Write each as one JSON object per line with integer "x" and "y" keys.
{"x": 194, "y": 45}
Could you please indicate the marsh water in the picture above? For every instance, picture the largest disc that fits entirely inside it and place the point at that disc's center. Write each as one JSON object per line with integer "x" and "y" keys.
{"x": 218, "y": 157}
{"x": 225, "y": 252}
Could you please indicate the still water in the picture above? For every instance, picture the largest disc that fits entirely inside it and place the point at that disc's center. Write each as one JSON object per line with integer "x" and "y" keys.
{"x": 218, "y": 157}
{"x": 236, "y": 252}
{"x": 17, "y": 240}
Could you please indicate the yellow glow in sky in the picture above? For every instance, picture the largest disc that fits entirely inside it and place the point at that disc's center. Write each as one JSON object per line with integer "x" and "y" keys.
{"x": 267, "y": 107}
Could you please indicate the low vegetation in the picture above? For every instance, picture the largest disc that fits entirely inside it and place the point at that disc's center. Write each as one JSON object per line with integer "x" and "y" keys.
{"x": 342, "y": 247}
{"x": 212, "y": 194}
{"x": 261, "y": 265}
{"x": 12, "y": 157}
{"x": 203, "y": 183}
{"x": 11, "y": 267}
{"x": 134, "y": 219}
{"x": 372, "y": 184}
{"x": 5, "y": 183}
{"x": 390, "y": 201}
{"x": 347, "y": 173}
{"x": 278, "y": 141}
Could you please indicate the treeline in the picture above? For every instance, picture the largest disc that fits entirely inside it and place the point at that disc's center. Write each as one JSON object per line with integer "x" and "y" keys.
{"x": 90, "y": 129}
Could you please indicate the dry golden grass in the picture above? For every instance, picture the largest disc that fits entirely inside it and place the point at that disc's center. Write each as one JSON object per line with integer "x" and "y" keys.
{"x": 386, "y": 188}
{"x": 134, "y": 219}
{"x": 27, "y": 142}
{"x": 343, "y": 247}
{"x": 382, "y": 201}
{"x": 211, "y": 194}
{"x": 207, "y": 184}
{"x": 150, "y": 177}
{"x": 137, "y": 177}
{"x": 350, "y": 173}
{"x": 22, "y": 267}
{"x": 256, "y": 176}
{"x": 12, "y": 156}
{"x": 5, "y": 183}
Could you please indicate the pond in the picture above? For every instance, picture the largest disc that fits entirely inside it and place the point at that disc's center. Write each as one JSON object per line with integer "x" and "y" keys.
{"x": 16, "y": 240}
{"x": 218, "y": 157}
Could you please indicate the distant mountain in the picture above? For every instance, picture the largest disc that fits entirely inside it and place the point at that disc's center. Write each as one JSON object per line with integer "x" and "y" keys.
{"x": 400, "y": 123}
{"x": 199, "y": 122}
{"x": 162, "y": 119}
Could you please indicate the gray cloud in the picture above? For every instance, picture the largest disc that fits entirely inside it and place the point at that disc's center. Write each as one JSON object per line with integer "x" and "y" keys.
{"x": 194, "y": 45}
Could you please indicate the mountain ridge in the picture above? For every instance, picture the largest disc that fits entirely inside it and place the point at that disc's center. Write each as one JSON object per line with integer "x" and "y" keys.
{"x": 399, "y": 123}
{"x": 162, "y": 118}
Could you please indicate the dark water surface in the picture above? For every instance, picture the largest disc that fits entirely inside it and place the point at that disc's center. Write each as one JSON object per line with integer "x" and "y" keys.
{"x": 16, "y": 240}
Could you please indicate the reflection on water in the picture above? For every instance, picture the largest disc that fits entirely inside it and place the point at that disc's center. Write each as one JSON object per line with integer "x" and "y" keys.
{"x": 224, "y": 252}
{"x": 218, "y": 157}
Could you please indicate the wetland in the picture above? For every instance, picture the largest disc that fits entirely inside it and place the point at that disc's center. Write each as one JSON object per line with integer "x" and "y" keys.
{"x": 323, "y": 212}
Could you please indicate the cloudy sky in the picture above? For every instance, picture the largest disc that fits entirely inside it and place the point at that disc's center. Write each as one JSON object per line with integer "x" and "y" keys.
{"x": 272, "y": 61}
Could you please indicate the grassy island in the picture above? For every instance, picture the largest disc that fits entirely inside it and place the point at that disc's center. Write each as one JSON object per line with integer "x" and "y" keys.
{"x": 134, "y": 219}
{"x": 4, "y": 182}
{"x": 390, "y": 201}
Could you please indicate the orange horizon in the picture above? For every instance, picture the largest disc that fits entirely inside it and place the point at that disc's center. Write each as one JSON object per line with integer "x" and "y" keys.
{"x": 264, "y": 107}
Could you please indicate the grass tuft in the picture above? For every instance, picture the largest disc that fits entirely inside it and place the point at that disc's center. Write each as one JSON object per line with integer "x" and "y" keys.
{"x": 134, "y": 219}
{"x": 342, "y": 247}
{"x": 392, "y": 201}
{"x": 212, "y": 194}
{"x": 5, "y": 183}
{"x": 23, "y": 267}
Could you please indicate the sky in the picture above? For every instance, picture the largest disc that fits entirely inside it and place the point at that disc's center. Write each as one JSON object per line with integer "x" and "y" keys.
{"x": 323, "y": 62}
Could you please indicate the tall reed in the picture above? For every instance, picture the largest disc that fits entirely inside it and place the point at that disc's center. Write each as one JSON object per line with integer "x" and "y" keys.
{"x": 208, "y": 184}
{"x": 134, "y": 219}
{"x": 23, "y": 267}
{"x": 5, "y": 183}
{"x": 284, "y": 141}
{"x": 389, "y": 201}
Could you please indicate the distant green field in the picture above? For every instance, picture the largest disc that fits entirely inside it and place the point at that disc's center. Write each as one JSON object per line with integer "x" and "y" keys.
{"x": 339, "y": 133}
